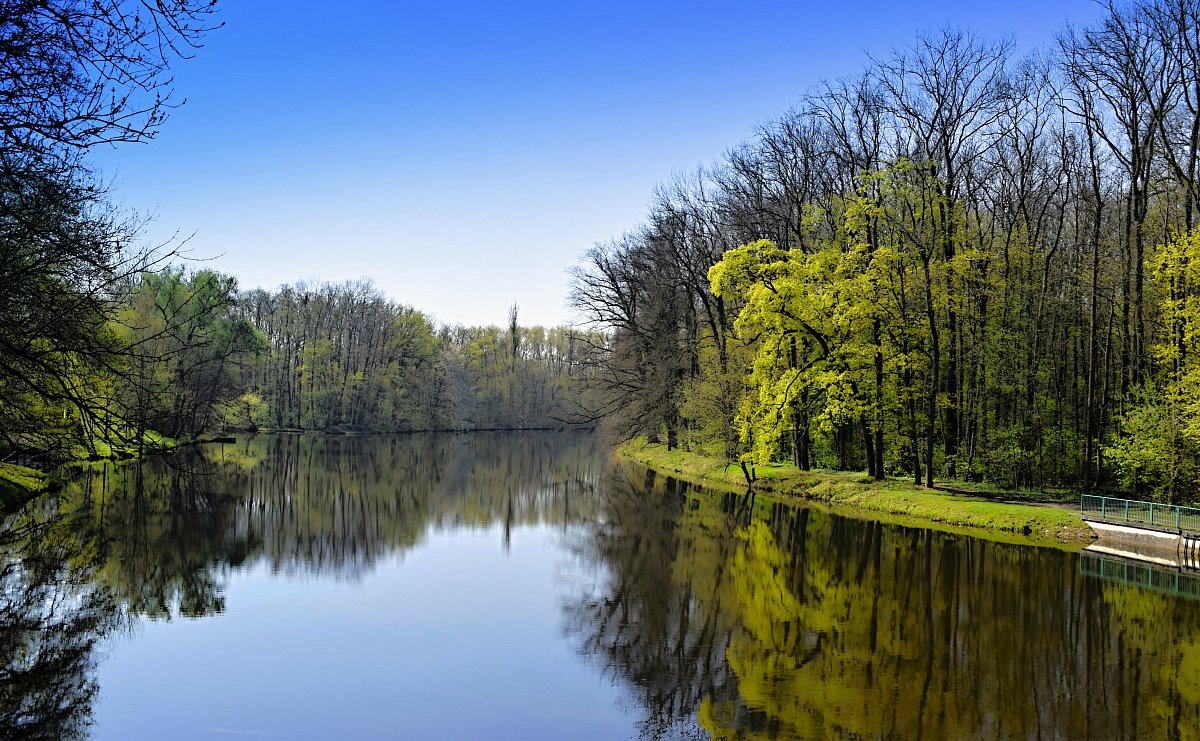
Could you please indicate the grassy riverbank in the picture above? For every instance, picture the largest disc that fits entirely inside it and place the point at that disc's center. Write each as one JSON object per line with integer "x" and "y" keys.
{"x": 854, "y": 490}
{"x": 19, "y": 484}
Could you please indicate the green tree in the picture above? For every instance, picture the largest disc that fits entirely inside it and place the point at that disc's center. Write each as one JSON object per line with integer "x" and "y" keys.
{"x": 188, "y": 353}
{"x": 1158, "y": 448}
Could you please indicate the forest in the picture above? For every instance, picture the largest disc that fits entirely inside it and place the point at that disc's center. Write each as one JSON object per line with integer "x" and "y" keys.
{"x": 958, "y": 263}
{"x": 344, "y": 357}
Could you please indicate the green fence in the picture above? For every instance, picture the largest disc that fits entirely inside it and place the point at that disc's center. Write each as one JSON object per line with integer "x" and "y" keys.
{"x": 1133, "y": 512}
{"x": 1147, "y": 576}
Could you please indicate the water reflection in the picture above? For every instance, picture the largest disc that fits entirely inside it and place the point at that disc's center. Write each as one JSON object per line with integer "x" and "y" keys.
{"x": 718, "y": 616}
{"x": 330, "y": 506}
{"x": 53, "y": 611}
{"x": 159, "y": 540}
{"x": 743, "y": 620}
{"x": 652, "y": 623}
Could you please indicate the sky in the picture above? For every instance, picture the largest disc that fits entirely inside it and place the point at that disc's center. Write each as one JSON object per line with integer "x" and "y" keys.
{"x": 464, "y": 155}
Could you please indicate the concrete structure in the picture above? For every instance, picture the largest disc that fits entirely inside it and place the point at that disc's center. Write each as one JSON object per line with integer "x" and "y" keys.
{"x": 1178, "y": 549}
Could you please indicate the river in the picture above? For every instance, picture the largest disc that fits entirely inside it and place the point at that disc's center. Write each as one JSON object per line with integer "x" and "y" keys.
{"x": 524, "y": 586}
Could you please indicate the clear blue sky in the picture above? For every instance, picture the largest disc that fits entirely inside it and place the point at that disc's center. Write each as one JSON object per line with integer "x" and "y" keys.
{"x": 463, "y": 155}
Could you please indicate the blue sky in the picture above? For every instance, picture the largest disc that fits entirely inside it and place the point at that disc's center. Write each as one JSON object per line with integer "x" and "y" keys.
{"x": 463, "y": 155}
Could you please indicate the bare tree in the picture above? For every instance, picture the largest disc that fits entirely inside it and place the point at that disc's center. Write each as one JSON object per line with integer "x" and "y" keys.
{"x": 77, "y": 73}
{"x": 632, "y": 288}
{"x": 1174, "y": 25}
{"x": 1128, "y": 77}
{"x": 947, "y": 91}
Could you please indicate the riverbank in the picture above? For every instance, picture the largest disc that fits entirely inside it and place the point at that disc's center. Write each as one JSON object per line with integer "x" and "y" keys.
{"x": 18, "y": 485}
{"x": 857, "y": 491}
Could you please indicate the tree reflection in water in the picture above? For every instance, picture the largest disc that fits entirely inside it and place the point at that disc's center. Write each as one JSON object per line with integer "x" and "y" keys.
{"x": 52, "y": 614}
{"x": 651, "y": 621}
{"x": 741, "y": 619}
{"x": 158, "y": 540}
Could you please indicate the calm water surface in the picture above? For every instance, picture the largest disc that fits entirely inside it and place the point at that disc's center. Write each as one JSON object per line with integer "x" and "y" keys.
{"x": 525, "y": 586}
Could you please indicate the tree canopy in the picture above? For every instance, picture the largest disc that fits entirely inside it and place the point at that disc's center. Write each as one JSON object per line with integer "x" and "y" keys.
{"x": 958, "y": 263}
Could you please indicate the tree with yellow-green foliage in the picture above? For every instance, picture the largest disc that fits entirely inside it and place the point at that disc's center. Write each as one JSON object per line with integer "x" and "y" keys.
{"x": 189, "y": 354}
{"x": 1159, "y": 448}
{"x": 851, "y": 332}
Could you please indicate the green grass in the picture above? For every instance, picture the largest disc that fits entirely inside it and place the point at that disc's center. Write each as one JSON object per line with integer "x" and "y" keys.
{"x": 19, "y": 484}
{"x": 893, "y": 498}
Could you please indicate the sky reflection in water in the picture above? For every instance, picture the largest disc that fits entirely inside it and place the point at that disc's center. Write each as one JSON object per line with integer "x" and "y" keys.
{"x": 457, "y": 639}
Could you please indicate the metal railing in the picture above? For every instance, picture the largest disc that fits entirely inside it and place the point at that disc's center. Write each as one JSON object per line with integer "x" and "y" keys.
{"x": 1134, "y": 512}
{"x": 1146, "y": 576}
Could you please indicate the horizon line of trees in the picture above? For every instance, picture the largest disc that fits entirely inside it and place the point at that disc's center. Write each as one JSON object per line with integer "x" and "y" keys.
{"x": 958, "y": 263}
{"x": 197, "y": 356}
{"x": 344, "y": 357}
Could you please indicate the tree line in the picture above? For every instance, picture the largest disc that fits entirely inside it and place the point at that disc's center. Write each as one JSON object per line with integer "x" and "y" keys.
{"x": 345, "y": 357}
{"x": 958, "y": 262}
{"x": 194, "y": 355}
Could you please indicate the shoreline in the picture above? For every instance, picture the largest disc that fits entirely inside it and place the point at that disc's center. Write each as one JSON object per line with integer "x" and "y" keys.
{"x": 19, "y": 485}
{"x": 892, "y": 500}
